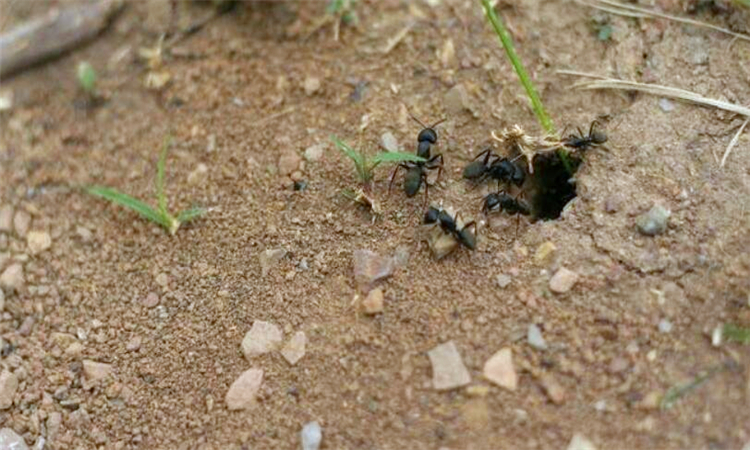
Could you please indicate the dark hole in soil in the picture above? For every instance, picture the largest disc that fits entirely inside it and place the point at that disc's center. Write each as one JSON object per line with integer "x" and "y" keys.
{"x": 553, "y": 187}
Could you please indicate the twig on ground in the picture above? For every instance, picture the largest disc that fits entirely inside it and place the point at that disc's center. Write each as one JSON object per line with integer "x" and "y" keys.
{"x": 395, "y": 40}
{"x": 733, "y": 142}
{"x": 622, "y": 9}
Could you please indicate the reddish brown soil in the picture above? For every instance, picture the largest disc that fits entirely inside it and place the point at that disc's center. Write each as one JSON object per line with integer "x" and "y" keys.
{"x": 239, "y": 82}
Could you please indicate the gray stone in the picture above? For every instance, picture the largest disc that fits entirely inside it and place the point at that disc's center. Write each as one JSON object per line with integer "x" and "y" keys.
{"x": 535, "y": 338}
{"x": 242, "y": 393}
{"x": 666, "y": 105}
{"x": 448, "y": 370}
{"x": 503, "y": 280}
{"x": 262, "y": 338}
{"x": 8, "y": 387}
{"x": 311, "y": 435}
{"x": 457, "y": 100}
{"x": 665, "y": 326}
{"x": 654, "y": 221}
{"x": 389, "y": 142}
{"x": 10, "y": 440}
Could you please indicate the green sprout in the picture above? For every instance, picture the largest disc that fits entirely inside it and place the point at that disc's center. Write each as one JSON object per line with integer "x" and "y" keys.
{"x": 343, "y": 9}
{"x": 524, "y": 78}
{"x": 736, "y": 334}
{"x": 365, "y": 165}
{"x": 160, "y": 215}
{"x": 87, "y": 78}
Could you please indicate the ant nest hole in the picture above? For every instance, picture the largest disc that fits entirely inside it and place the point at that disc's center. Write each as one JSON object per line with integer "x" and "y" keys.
{"x": 552, "y": 184}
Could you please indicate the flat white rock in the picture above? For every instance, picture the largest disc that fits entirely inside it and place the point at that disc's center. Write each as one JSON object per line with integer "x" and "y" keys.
{"x": 242, "y": 393}
{"x": 448, "y": 370}
{"x": 499, "y": 369}
{"x": 262, "y": 338}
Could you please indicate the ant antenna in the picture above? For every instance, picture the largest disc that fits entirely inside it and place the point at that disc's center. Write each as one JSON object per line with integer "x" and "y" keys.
{"x": 425, "y": 126}
{"x": 417, "y": 120}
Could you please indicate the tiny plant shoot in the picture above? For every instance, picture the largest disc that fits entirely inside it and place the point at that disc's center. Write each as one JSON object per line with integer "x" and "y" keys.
{"x": 364, "y": 165}
{"x": 87, "y": 78}
{"x": 523, "y": 77}
{"x": 160, "y": 215}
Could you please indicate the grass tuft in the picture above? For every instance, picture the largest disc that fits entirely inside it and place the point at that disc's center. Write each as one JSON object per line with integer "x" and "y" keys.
{"x": 736, "y": 334}
{"x": 159, "y": 215}
{"x": 365, "y": 165}
{"x": 87, "y": 78}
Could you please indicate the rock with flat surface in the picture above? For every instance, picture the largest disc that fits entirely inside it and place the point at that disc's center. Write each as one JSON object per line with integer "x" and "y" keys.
{"x": 311, "y": 435}
{"x": 242, "y": 393}
{"x": 93, "y": 370}
{"x": 654, "y": 221}
{"x": 370, "y": 267}
{"x": 6, "y": 219}
{"x": 580, "y": 442}
{"x": 563, "y": 280}
{"x": 499, "y": 369}
{"x": 10, "y": 440}
{"x": 294, "y": 350}
{"x": 269, "y": 258}
{"x": 448, "y": 370}
{"x": 373, "y": 303}
{"x": 8, "y": 387}
{"x": 535, "y": 338}
{"x": 38, "y": 241}
{"x": 12, "y": 278}
{"x": 262, "y": 338}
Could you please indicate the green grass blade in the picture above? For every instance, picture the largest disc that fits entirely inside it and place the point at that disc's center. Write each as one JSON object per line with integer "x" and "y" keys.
{"x": 190, "y": 214}
{"x": 126, "y": 201}
{"x": 160, "y": 169}
{"x": 357, "y": 157}
{"x": 528, "y": 85}
{"x": 736, "y": 334}
{"x": 392, "y": 157}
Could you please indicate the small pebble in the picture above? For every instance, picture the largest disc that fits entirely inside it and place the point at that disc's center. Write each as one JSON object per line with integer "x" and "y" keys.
{"x": 580, "y": 442}
{"x": 315, "y": 152}
{"x": 499, "y": 369}
{"x": 441, "y": 244}
{"x": 534, "y": 336}
{"x": 10, "y": 440}
{"x": 665, "y": 326}
{"x": 294, "y": 350}
{"x": 654, "y": 221}
{"x": 447, "y": 53}
{"x": 289, "y": 162}
{"x": 457, "y": 100}
{"x": 666, "y": 105}
{"x": 448, "y": 370}
{"x": 503, "y": 280}
{"x": 134, "y": 344}
{"x": 6, "y": 219}
{"x": 389, "y": 142}
{"x": 373, "y": 303}
{"x": 8, "y": 387}
{"x": 21, "y": 222}
{"x": 93, "y": 370}
{"x": 312, "y": 435}
{"x": 555, "y": 392}
{"x": 262, "y": 338}
{"x": 311, "y": 85}
{"x": 12, "y": 278}
{"x": 75, "y": 350}
{"x": 544, "y": 251}
{"x": 242, "y": 393}
{"x": 300, "y": 185}
{"x": 151, "y": 300}
{"x": 269, "y": 258}
{"x": 38, "y": 241}
{"x": 563, "y": 280}
{"x": 717, "y": 336}
{"x": 370, "y": 267}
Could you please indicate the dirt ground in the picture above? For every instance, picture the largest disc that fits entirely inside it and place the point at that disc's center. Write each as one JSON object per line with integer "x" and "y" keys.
{"x": 236, "y": 103}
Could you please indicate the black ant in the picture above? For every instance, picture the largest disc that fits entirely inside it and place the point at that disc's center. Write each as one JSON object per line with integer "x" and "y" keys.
{"x": 416, "y": 173}
{"x": 583, "y": 142}
{"x": 464, "y": 235}
{"x": 493, "y": 166}
{"x": 501, "y": 201}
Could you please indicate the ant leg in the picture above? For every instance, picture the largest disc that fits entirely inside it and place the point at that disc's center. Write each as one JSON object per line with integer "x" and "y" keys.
{"x": 486, "y": 153}
{"x": 431, "y": 164}
{"x": 393, "y": 175}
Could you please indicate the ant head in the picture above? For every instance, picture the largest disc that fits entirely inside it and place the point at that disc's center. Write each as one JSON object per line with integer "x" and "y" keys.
{"x": 432, "y": 214}
{"x": 427, "y": 135}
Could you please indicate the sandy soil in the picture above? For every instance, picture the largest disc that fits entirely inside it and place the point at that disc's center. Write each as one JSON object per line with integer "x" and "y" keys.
{"x": 236, "y": 103}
